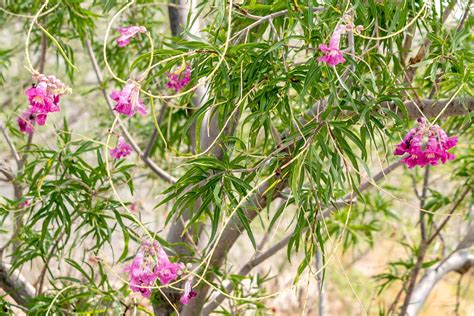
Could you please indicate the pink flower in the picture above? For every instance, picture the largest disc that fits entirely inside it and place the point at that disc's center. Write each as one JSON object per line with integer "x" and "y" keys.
{"x": 39, "y": 98}
{"x": 23, "y": 204}
{"x": 332, "y": 53}
{"x": 128, "y": 101}
{"x": 151, "y": 263}
{"x": 43, "y": 98}
{"x": 166, "y": 270}
{"x": 179, "y": 78}
{"x": 134, "y": 207}
{"x": 122, "y": 150}
{"x": 126, "y": 33}
{"x": 188, "y": 293}
{"x": 425, "y": 145}
{"x": 26, "y": 122}
{"x": 142, "y": 270}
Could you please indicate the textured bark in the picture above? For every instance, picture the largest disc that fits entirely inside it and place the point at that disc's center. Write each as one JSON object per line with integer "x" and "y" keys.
{"x": 15, "y": 285}
{"x": 232, "y": 231}
{"x": 211, "y": 306}
{"x": 461, "y": 260}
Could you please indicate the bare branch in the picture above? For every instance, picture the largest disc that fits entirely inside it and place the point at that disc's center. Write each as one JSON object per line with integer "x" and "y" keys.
{"x": 264, "y": 19}
{"x": 461, "y": 260}
{"x": 10, "y": 143}
{"x": 424, "y": 244}
{"x": 15, "y": 285}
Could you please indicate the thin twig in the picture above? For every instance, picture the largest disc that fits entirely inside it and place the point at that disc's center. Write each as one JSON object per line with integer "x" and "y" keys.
{"x": 255, "y": 261}
{"x": 155, "y": 168}
{"x": 448, "y": 217}
{"x": 422, "y": 248}
{"x": 10, "y": 143}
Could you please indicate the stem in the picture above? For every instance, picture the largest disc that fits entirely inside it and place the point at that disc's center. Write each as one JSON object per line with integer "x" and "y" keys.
{"x": 255, "y": 261}
{"x": 422, "y": 248}
{"x": 321, "y": 284}
{"x": 155, "y": 168}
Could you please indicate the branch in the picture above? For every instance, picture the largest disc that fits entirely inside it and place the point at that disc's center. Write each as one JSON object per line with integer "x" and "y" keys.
{"x": 10, "y": 143}
{"x": 426, "y": 45}
{"x": 422, "y": 248}
{"x": 232, "y": 231}
{"x": 430, "y": 108}
{"x": 445, "y": 221}
{"x": 155, "y": 168}
{"x": 15, "y": 285}
{"x": 461, "y": 260}
{"x": 263, "y": 19}
{"x": 255, "y": 261}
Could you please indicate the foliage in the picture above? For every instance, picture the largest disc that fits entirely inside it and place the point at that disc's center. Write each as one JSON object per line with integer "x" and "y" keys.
{"x": 274, "y": 124}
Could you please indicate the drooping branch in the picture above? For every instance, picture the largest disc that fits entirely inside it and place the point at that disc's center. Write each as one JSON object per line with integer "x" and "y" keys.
{"x": 425, "y": 46}
{"x": 15, "y": 285}
{"x": 263, "y": 19}
{"x": 430, "y": 108}
{"x": 153, "y": 166}
{"x": 232, "y": 231}
{"x": 255, "y": 261}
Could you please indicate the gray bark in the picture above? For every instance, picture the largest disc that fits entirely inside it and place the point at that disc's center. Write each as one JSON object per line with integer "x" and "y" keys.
{"x": 15, "y": 285}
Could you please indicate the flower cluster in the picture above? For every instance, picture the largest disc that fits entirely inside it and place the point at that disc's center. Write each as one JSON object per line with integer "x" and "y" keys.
{"x": 122, "y": 150}
{"x": 43, "y": 98}
{"x": 126, "y": 33}
{"x": 426, "y": 145}
{"x": 128, "y": 100}
{"x": 179, "y": 78}
{"x": 152, "y": 263}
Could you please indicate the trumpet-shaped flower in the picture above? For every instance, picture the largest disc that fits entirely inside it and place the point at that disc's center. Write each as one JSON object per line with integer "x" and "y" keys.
{"x": 122, "y": 150}
{"x": 179, "y": 78}
{"x": 142, "y": 270}
{"x": 43, "y": 98}
{"x": 167, "y": 271}
{"x": 128, "y": 101}
{"x": 26, "y": 122}
{"x": 425, "y": 145}
{"x": 332, "y": 53}
{"x": 151, "y": 263}
{"x": 126, "y": 33}
{"x": 188, "y": 293}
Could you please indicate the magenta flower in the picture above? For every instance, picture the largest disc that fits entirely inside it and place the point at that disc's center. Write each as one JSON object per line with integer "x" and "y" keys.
{"x": 151, "y": 263}
{"x": 43, "y": 98}
{"x": 179, "y": 78}
{"x": 425, "y": 145}
{"x": 128, "y": 101}
{"x": 26, "y": 122}
{"x": 188, "y": 293}
{"x": 166, "y": 270}
{"x": 122, "y": 150}
{"x": 39, "y": 97}
{"x": 332, "y": 53}
{"x": 126, "y": 33}
{"x": 23, "y": 204}
{"x": 142, "y": 270}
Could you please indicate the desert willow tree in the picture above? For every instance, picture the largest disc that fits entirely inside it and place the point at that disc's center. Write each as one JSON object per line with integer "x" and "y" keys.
{"x": 249, "y": 120}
